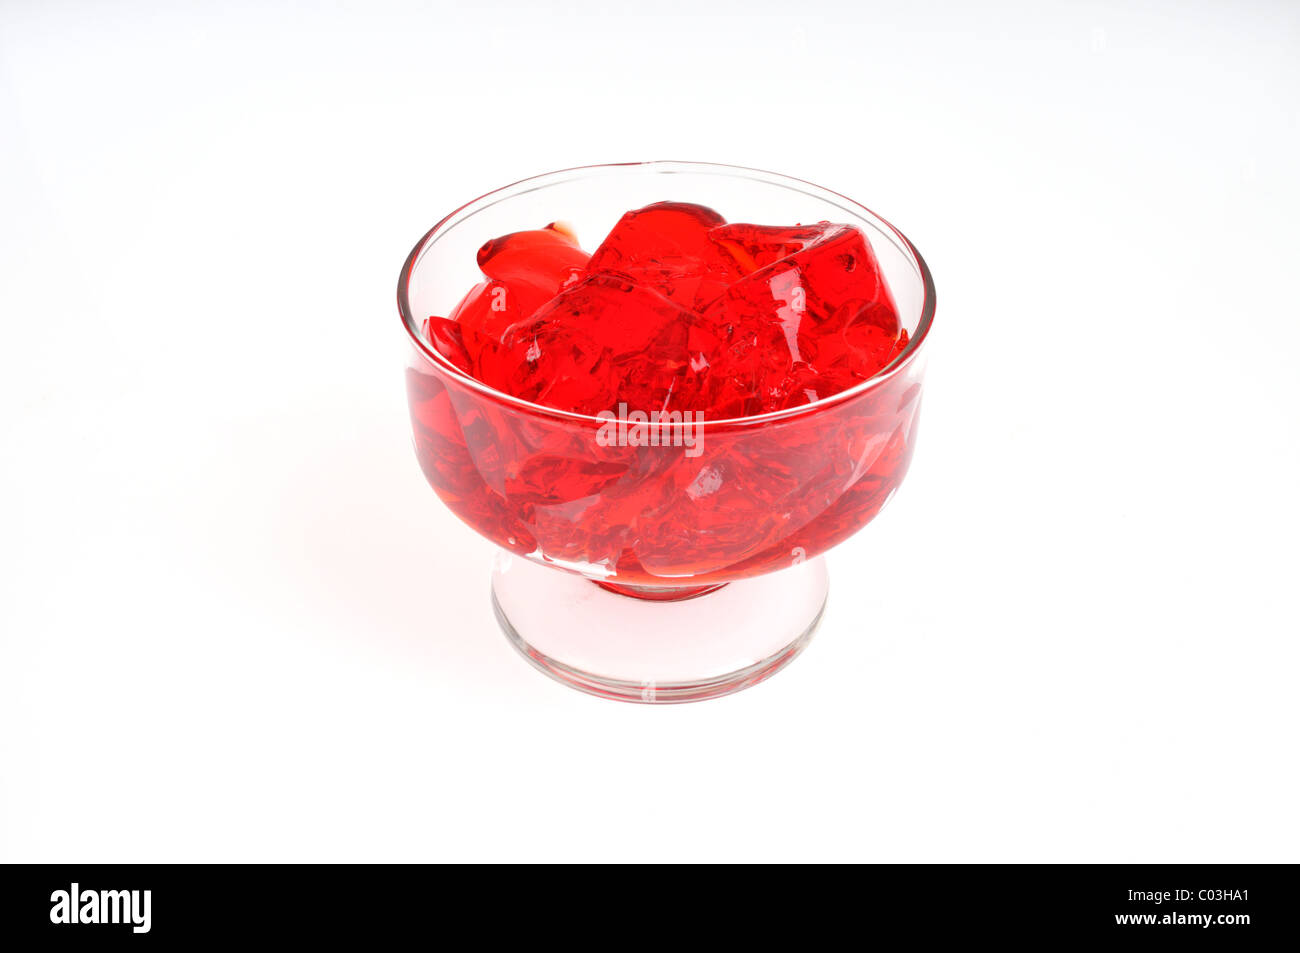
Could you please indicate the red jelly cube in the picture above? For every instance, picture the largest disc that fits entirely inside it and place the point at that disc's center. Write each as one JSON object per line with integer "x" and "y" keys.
{"x": 600, "y": 342}
{"x": 666, "y": 246}
{"x": 532, "y": 265}
{"x": 807, "y": 324}
{"x": 447, "y": 340}
{"x": 756, "y": 246}
{"x": 484, "y": 316}
{"x": 859, "y": 338}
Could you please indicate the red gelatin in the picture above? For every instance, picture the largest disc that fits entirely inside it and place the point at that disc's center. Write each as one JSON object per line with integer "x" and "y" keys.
{"x": 524, "y": 271}
{"x": 675, "y": 311}
{"x": 600, "y": 342}
{"x": 756, "y": 246}
{"x": 447, "y": 337}
{"x": 483, "y": 316}
{"x": 533, "y": 265}
{"x": 666, "y": 246}
{"x": 805, "y": 326}
{"x": 754, "y": 499}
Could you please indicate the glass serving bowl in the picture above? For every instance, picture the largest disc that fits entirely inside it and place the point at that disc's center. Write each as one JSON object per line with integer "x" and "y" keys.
{"x": 670, "y": 564}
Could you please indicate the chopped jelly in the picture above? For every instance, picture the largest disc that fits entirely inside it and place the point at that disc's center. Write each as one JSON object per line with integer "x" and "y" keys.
{"x": 680, "y": 312}
{"x": 675, "y": 310}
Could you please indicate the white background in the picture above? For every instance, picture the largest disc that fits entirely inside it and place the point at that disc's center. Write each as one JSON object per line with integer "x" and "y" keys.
{"x": 237, "y": 625}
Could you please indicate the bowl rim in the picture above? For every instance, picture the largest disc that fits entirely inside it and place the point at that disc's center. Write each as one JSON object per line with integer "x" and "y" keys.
{"x": 664, "y": 166}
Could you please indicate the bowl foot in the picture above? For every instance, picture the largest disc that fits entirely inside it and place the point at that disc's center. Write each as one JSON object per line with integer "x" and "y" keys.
{"x": 656, "y": 652}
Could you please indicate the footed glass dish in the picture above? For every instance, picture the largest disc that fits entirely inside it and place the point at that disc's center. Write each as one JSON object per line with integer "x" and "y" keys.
{"x": 671, "y": 559}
